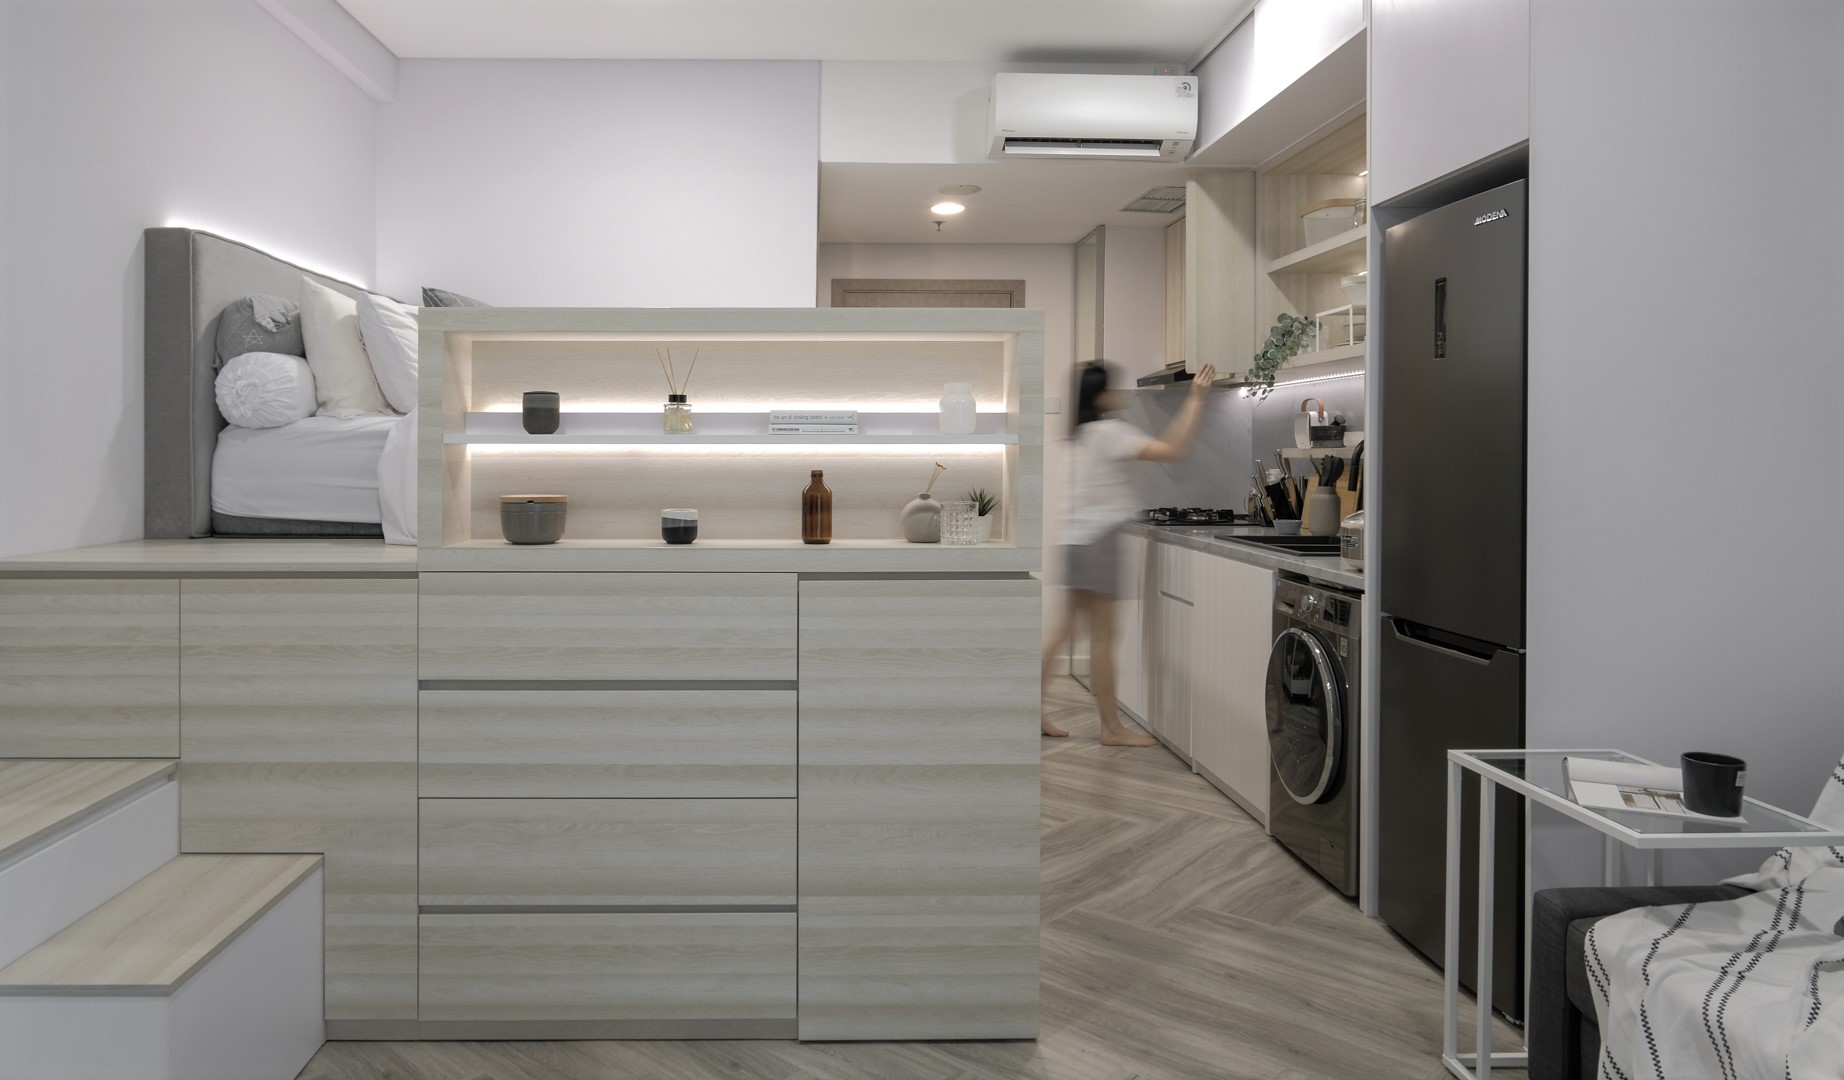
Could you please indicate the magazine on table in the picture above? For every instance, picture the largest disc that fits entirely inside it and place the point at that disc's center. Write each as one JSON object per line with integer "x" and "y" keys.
{"x": 1630, "y": 788}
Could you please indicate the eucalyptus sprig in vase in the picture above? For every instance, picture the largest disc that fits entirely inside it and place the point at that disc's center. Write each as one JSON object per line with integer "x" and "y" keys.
{"x": 1286, "y": 339}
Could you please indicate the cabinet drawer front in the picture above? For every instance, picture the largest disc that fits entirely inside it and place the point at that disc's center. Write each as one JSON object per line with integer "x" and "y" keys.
{"x": 678, "y": 966}
{"x": 658, "y": 853}
{"x": 607, "y": 743}
{"x": 89, "y": 668}
{"x": 608, "y": 626}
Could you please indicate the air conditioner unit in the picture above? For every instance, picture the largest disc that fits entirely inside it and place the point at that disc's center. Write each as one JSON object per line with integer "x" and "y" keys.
{"x": 1122, "y": 117}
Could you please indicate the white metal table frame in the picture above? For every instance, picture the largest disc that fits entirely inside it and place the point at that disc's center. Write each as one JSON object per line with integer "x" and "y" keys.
{"x": 1478, "y": 1065}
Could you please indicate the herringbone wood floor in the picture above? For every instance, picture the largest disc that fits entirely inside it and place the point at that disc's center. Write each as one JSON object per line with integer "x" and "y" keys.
{"x": 1179, "y": 942}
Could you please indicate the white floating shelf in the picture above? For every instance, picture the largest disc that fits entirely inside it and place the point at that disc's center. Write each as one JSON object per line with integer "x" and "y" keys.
{"x": 723, "y": 429}
{"x": 1326, "y": 356}
{"x": 1345, "y": 253}
{"x": 1296, "y": 453}
{"x": 563, "y": 438}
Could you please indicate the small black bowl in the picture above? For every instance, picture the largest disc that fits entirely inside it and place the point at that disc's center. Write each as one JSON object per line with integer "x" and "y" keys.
{"x": 678, "y": 526}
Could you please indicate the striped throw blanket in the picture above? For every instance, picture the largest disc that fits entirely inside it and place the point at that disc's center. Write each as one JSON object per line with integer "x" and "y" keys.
{"x": 1746, "y": 989}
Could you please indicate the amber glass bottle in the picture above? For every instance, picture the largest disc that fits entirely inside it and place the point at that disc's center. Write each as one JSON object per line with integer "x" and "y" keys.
{"x": 816, "y": 511}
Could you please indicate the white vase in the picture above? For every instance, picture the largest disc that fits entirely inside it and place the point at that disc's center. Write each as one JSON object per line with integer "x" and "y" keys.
{"x": 959, "y": 415}
{"x": 985, "y": 529}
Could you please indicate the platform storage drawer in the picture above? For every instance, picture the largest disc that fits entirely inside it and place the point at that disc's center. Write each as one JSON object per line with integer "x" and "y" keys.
{"x": 607, "y": 744}
{"x": 733, "y": 971}
{"x": 645, "y": 854}
{"x": 621, "y": 627}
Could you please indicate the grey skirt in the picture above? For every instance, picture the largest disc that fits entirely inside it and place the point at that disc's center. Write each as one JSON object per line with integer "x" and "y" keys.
{"x": 1094, "y": 567}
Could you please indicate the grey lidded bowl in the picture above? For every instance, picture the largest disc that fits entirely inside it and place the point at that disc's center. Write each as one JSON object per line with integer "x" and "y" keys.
{"x": 532, "y": 519}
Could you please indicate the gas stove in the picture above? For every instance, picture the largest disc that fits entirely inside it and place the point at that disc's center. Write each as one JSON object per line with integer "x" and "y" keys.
{"x": 1190, "y": 516}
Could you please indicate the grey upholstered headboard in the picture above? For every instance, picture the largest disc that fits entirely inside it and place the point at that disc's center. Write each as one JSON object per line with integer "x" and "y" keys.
{"x": 191, "y": 276}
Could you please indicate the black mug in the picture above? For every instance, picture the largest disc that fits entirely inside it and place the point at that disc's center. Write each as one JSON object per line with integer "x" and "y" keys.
{"x": 1713, "y": 784}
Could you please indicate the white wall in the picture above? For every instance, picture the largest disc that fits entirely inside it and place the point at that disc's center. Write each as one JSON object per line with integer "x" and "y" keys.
{"x": 601, "y": 183}
{"x": 1049, "y": 275}
{"x": 1684, "y": 491}
{"x": 1277, "y": 44}
{"x": 1449, "y": 85}
{"x": 119, "y": 116}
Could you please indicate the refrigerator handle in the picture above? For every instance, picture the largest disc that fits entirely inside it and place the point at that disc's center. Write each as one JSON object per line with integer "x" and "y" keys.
{"x": 1401, "y": 628}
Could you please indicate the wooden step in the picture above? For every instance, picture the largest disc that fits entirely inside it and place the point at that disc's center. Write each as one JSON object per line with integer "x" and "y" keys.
{"x": 41, "y": 796}
{"x": 161, "y": 930}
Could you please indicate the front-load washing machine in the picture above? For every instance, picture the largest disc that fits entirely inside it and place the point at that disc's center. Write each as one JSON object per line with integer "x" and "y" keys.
{"x": 1312, "y": 698}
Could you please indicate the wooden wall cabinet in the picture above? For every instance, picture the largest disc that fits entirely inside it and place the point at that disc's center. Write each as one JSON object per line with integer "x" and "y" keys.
{"x": 298, "y": 702}
{"x": 919, "y": 818}
{"x": 89, "y": 668}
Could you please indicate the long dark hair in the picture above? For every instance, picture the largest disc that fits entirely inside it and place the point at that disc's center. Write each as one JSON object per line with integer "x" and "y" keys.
{"x": 1091, "y": 382}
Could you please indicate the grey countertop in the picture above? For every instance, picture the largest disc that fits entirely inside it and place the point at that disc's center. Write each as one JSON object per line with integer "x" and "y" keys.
{"x": 1329, "y": 568}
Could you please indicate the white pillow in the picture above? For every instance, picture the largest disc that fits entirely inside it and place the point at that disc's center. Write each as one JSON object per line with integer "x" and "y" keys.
{"x": 265, "y": 390}
{"x": 343, "y": 381}
{"x": 388, "y": 330}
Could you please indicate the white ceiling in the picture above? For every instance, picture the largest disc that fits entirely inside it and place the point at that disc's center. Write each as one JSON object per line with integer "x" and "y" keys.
{"x": 1021, "y": 202}
{"x": 1044, "y": 31}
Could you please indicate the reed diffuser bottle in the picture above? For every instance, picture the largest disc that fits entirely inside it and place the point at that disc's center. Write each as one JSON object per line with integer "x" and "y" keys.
{"x": 816, "y": 511}
{"x": 677, "y": 419}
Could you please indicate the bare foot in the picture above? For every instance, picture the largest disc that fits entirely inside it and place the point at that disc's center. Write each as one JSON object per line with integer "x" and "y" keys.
{"x": 1054, "y": 732}
{"x": 1125, "y": 737}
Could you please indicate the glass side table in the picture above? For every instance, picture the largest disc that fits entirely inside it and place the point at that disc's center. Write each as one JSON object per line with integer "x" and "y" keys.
{"x": 1537, "y": 775}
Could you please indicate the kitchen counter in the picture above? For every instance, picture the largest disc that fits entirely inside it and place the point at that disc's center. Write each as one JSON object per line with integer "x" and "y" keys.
{"x": 1327, "y": 568}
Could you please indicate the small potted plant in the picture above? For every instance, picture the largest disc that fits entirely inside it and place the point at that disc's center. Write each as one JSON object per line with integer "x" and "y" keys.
{"x": 1286, "y": 339}
{"x": 987, "y": 503}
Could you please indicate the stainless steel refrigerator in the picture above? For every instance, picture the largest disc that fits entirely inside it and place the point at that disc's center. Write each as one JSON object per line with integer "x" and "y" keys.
{"x": 1451, "y": 564}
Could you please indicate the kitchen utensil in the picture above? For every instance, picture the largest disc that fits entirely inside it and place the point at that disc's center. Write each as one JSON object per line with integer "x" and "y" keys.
{"x": 1324, "y": 220}
{"x": 1288, "y": 527}
{"x": 1322, "y": 511}
{"x": 678, "y": 525}
{"x": 1357, "y": 474}
{"x": 1713, "y": 783}
{"x": 1356, "y": 288}
{"x": 533, "y": 519}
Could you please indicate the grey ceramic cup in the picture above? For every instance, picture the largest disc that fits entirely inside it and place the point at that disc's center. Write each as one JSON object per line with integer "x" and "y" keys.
{"x": 543, "y": 412}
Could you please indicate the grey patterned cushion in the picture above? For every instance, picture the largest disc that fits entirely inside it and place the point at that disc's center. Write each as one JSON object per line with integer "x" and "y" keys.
{"x": 444, "y": 298}
{"x": 260, "y": 323}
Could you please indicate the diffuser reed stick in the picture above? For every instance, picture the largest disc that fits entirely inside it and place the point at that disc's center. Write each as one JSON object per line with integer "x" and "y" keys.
{"x": 939, "y": 469}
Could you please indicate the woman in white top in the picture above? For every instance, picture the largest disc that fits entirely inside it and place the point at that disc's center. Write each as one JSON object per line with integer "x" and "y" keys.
{"x": 1101, "y": 500}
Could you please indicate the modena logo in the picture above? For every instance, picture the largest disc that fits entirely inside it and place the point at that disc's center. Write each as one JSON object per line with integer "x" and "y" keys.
{"x": 1493, "y": 216}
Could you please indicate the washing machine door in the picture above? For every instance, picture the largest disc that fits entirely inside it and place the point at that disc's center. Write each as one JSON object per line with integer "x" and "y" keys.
{"x": 1305, "y": 715}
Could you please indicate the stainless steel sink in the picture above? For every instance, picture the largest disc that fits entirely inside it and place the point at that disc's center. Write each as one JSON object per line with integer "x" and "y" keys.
{"x": 1297, "y": 544}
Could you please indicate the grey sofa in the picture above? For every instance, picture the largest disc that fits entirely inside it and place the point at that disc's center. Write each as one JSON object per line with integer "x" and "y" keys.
{"x": 1563, "y": 1040}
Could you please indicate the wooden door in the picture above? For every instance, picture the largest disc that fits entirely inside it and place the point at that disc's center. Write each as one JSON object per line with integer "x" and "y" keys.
{"x": 927, "y": 292}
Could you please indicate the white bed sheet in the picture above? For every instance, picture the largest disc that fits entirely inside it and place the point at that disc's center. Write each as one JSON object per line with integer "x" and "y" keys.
{"x": 321, "y": 468}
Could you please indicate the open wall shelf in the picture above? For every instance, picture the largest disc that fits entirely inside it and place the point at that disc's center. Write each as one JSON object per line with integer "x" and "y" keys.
{"x": 714, "y": 428}
{"x": 1345, "y": 253}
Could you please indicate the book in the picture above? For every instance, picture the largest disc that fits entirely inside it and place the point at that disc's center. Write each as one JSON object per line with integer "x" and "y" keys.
{"x": 799, "y": 417}
{"x": 1630, "y": 788}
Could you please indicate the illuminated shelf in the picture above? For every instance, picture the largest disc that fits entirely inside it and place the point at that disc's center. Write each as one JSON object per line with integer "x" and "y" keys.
{"x": 1345, "y": 253}
{"x": 723, "y": 429}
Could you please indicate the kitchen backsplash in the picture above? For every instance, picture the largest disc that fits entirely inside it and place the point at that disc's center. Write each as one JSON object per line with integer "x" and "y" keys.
{"x": 1234, "y": 431}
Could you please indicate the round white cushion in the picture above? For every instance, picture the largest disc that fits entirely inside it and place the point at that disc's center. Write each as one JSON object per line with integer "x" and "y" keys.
{"x": 265, "y": 390}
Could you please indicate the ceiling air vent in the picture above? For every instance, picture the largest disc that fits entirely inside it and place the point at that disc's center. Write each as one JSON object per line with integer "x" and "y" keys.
{"x": 1159, "y": 200}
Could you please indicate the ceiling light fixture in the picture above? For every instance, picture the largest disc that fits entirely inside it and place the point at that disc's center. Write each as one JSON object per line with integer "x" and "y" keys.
{"x": 1366, "y": 172}
{"x": 959, "y": 190}
{"x": 946, "y": 208}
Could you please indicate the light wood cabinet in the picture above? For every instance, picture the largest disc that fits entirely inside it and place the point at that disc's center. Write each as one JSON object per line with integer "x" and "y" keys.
{"x": 608, "y": 626}
{"x": 655, "y": 853}
{"x": 89, "y": 668}
{"x": 919, "y": 817}
{"x": 1233, "y": 631}
{"x": 298, "y": 701}
{"x": 693, "y": 744}
{"x": 603, "y": 966}
{"x": 1168, "y": 614}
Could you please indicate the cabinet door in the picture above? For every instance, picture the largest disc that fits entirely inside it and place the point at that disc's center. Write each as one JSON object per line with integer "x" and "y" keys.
{"x": 919, "y": 818}
{"x": 1168, "y": 648}
{"x": 1130, "y": 620}
{"x": 1233, "y": 624}
{"x": 298, "y": 704}
{"x": 89, "y": 668}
